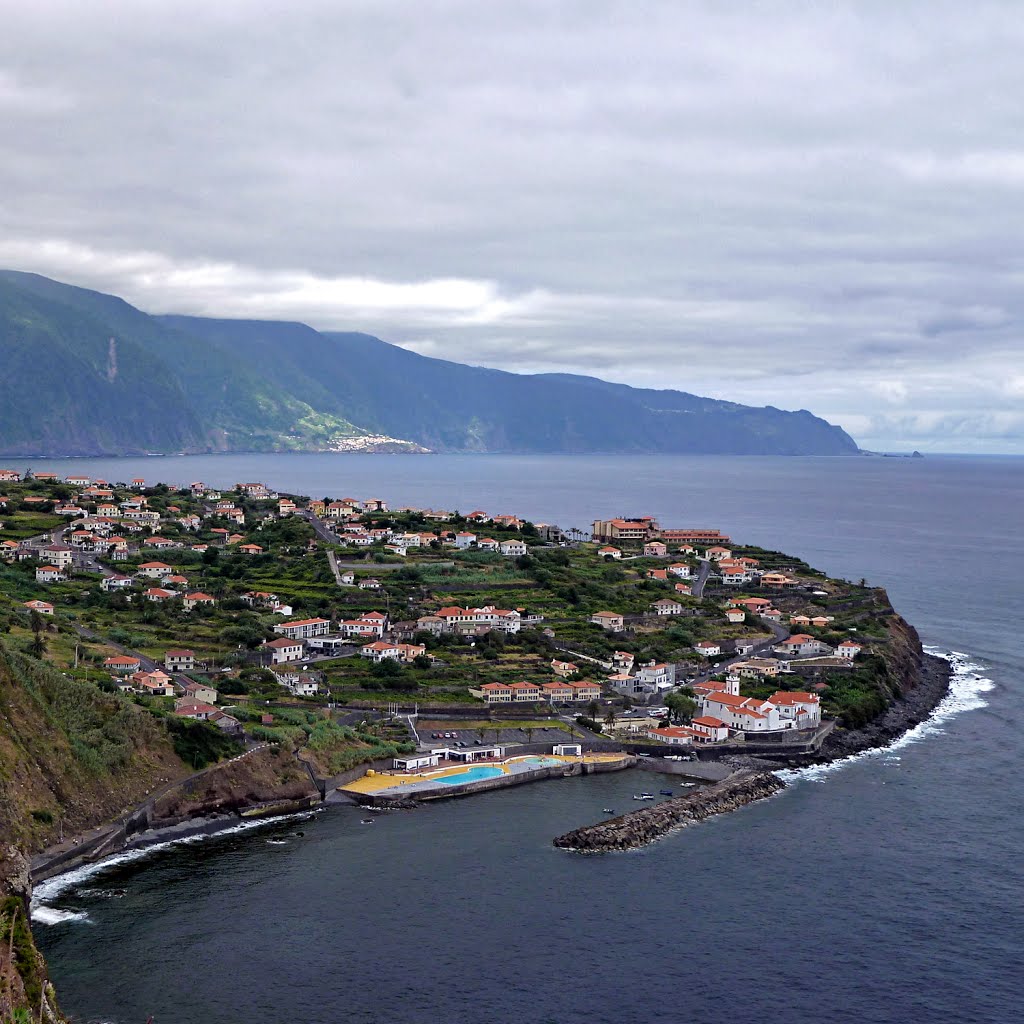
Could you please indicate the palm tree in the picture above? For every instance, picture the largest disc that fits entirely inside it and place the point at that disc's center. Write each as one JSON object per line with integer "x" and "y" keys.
{"x": 38, "y": 645}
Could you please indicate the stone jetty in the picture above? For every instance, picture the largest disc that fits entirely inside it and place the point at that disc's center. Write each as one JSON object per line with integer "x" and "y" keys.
{"x": 637, "y": 829}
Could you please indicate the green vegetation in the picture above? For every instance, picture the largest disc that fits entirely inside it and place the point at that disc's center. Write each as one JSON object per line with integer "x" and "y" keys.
{"x": 73, "y": 390}
{"x": 199, "y": 743}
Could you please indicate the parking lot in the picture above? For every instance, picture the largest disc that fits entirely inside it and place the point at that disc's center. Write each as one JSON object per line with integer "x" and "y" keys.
{"x": 433, "y": 734}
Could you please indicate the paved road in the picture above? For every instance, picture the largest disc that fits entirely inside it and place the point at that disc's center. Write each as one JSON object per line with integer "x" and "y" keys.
{"x": 697, "y": 588}
{"x": 779, "y": 633}
{"x": 319, "y": 528}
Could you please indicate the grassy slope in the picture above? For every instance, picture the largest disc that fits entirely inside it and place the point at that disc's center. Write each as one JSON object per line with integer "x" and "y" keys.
{"x": 68, "y": 749}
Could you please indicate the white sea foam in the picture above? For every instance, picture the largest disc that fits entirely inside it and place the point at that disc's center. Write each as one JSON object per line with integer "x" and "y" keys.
{"x": 51, "y": 915}
{"x": 46, "y": 892}
{"x": 966, "y": 688}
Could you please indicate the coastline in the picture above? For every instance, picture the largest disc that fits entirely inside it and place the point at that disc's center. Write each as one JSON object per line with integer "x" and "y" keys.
{"x": 758, "y": 777}
{"x": 915, "y": 706}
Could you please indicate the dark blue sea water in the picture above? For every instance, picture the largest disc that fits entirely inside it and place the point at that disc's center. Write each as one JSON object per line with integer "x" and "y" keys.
{"x": 884, "y": 889}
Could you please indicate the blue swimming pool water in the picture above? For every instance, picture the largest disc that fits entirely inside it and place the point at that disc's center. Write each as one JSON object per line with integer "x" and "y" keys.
{"x": 483, "y": 771}
{"x": 549, "y": 761}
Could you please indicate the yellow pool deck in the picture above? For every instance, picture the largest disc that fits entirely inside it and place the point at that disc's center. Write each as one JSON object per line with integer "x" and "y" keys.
{"x": 375, "y": 782}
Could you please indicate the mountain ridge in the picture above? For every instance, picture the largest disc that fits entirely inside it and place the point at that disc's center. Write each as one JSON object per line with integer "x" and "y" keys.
{"x": 89, "y": 374}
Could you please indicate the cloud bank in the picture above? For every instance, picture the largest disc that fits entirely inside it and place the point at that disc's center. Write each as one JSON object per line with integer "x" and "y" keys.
{"x": 812, "y": 207}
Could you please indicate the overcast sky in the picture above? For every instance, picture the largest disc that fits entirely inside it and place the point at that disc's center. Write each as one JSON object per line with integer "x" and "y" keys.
{"x": 806, "y": 205}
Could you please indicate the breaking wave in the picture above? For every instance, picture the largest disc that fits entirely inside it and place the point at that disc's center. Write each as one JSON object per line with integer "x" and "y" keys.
{"x": 967, "y": 686}
{"x": 45, "y": 893}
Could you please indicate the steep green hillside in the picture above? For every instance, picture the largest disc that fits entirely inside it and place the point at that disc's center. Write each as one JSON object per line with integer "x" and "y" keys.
{"x": 71, "y": 754}
{"x": 449, "y": 406}
{"x": 86, "y": 373}
{"x": 71, "y": 386}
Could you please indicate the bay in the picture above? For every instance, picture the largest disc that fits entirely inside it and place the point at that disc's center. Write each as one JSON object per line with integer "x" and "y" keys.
{"x": 884, "y": 889}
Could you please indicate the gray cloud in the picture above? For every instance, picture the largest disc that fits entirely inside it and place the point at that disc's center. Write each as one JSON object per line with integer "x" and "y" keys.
{"x": 806, "y": 207}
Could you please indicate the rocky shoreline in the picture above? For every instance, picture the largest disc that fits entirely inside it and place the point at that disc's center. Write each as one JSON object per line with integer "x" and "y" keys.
{"x": 753, "y": 778}
{"x": 910, "y": 709}
{"x": 632, "y": 831}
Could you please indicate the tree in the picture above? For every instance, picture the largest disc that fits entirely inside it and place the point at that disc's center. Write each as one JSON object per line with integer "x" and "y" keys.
{"x": 681, "y": 707}
{"x": 593, "y": 708}
{"x": 609, "y": 718}
{"x": 38, "y": 645}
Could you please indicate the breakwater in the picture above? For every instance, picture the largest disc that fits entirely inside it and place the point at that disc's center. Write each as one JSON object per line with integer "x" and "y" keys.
{"x": 637, "y": 829}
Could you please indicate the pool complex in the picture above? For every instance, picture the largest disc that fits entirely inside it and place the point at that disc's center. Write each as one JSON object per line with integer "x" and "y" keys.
{"x": 481, "y": 771}
{"x": 459, "y": 775}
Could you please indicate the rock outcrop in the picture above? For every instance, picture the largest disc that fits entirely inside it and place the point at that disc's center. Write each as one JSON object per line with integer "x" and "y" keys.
{"x": 632, "y": 831}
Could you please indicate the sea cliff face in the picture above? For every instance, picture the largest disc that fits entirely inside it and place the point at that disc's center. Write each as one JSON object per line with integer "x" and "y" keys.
{"x": 631, "y": 831}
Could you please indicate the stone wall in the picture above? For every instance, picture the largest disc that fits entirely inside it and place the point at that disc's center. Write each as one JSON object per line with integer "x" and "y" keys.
{"x": 632, "y": 831}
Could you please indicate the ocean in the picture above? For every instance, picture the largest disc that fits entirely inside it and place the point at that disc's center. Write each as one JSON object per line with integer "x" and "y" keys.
{"x": 880, "y": 889}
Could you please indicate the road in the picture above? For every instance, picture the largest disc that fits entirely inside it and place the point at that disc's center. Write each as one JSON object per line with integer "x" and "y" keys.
{"x": 697, "y": 587}
{"x": 779, "y": 633}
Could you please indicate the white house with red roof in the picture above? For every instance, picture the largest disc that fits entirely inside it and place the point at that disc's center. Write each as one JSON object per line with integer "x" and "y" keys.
{"x": 43, "y": 607}
{"x": 848, "y": 649}
{"x": 801, "y": 645}
{"x": 609, "y": 552}
{"x": 380, "y": 650}
{"x": 708, "y": 648}
{"x": 564, "y": 668}
{"x": 179, "y": 659}
{"x": 714, "y": 729}
{"x": 300, "y": 629}
{"x": 608, "y": 620}
{"x": 526, "y": 693}
{"x": 734, "y": 575}
{"x": 49, "y": 574}
{"x": 799, "y": 710}
{"x": 676, "y": 735}
{"x": 283, "y": 649}
{"x": 746, "y": 714}
{"x": 155, "y": 570}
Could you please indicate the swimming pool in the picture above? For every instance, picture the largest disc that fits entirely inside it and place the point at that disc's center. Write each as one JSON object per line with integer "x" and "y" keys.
{"x": 483, "y": 771}
{"x": 539, "y": 760}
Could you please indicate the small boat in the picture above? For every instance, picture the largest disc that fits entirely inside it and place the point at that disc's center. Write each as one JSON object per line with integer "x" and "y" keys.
{"x": 366, "y": 821}
{"x": 607, "y": 810}
{"x": 665, "y": 792}
{"x": 643, "y": 796}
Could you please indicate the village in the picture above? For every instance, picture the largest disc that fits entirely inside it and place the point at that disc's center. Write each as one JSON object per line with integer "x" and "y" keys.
{"x": 258, "y": 613}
